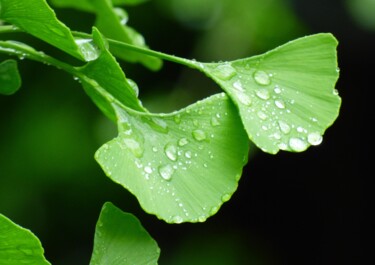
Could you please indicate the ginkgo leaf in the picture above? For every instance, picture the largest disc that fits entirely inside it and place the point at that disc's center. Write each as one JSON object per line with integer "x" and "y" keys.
{"x": 10, "y": 80}
{"x": 286, "y": 97}
{"x": 38, "y": 19}
{"x": 18, "y": 245}
{"x": 182, "y": 166}
{"x": 120, "y": 239}
{"x": 112, "y": 22}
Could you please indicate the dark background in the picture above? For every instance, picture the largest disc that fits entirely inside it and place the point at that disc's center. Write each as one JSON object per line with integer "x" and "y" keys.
{"x": 307, "y": 208}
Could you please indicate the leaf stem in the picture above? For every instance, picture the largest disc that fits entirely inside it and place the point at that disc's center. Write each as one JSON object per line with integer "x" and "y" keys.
{"x": 134, "y": 48}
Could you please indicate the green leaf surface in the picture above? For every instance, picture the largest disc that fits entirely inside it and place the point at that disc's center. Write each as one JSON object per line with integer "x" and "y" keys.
{"x": 112, "y": 22}
{"x": 104, "y": 81}
{"x": 286, "y": 97}
{"x": 38, "y": 19}
{"x": 86, "y": 5}
{"x": 18, "y": 245}
{"x": 120, "y": 239}
{"x": 10, "y": 80}
{"x": 181, "y": 166}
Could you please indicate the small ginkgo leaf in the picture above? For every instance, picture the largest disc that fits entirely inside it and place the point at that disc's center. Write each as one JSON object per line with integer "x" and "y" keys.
{"x": 182, "y": 166}
{"x": 10, "y": 80}
{"x": 286, "y": 97}
{"x": 120, "y": 239}
{"x": 18, "y": 245}
{"x": 38, "y": 19}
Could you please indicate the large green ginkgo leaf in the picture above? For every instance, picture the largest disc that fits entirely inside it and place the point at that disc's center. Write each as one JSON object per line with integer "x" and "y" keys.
{"x": 182, "y": 166}
{"x": 286, "y": 97}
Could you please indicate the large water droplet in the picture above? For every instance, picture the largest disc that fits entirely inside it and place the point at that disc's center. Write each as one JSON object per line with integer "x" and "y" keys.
{"x": 314, "y": 138}
{"x": 199, "y": 135}
{"x": 166, "y": 172}
{"x": 262, "y": 78}
{"x": 263, "y": 93}
{"x": 224, "y": 71}
{"x": 171, "y": 151}
{"x": 88, "y": 49}
{"x": 284, "y": 127}
{"x": 297, "y": 144}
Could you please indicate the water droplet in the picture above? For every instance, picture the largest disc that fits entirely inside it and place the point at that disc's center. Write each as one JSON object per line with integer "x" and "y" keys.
{"x": 122, "y": 15}
{"x": 134, "y": 86}
{"x": 134, "y": 146}
{"x": 214, "y": 210}
{"x": 243, "y": 98}
{"x": 314, "y": 138}
{"x": 154, "y": 149}
{"x": 177, "y": 118}
{"x": 214, "y": 121}
{"x": 262, "y": 78}
{"x": 225, "y": 197}
{"x": 262, "y": 115}
{"x": 199, "y": 135}
{"x": 224, "y": 71}
{"x": 188, "y": 154}
{"x": 157, "y": 124}
{"x": 280, "y": 103}
{"x": 277, "y": 89}
{"x": 297, "y": 144}
{"x": 166, "y": 172}
{"x": 263, "y": 93}
{"x": 284, "y": 127}
{"x": 148, "y": 169}
{"x": 177, "y": 219}
{"x": 183, "y": 141}
{"x": 88, "y": 49}
{"x": 238, "y": 85}
{"x": 171, "y": 151}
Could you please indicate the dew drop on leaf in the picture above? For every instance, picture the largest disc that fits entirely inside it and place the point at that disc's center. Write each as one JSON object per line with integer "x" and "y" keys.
{"x": 134, "y": 146}
{"x": 263, "y": 94}
{"x": 199, "y": 135}
{"x": 224, "y": 71}
{"x": 214, "y": 121}
{"x": 88, "y": 49}
{"x": 297, "y": 144}
{"x": 243, "y": 98}
{"x": 183, "y": 142}
{"x": 166, "y": 172}
{"x": 171, "y": 151}
{"x": 284, "y": 127}
{"x": 280, "y": 103}
{"x": 262, "y": 78}
{"x": 314, "y": 138}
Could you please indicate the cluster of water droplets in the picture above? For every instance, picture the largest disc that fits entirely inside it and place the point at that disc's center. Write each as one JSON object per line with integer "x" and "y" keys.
{"x": 264, "y": 103}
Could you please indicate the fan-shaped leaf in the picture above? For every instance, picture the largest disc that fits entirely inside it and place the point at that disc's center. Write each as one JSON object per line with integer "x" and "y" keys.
{"x": 121, "y": 239}
{"x": 286, "y": 97}
{"x": 18, "y": 245}
{"x": 181, "y": 166}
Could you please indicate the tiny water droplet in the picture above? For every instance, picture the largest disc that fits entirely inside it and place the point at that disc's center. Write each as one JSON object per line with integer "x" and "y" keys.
{"x": 297, "y": 144}
{"x": 148, "y": 169}
{"x": 177, "y": 118}
{"x": 199, "y": 135}
{"x": 154, "y": 149}
{"x": 262, "y": 78}
{"x": 166, "y": 172}
{"x": 171, "y": 151}
{"x": 262, "y": 115}
{"x": 188, "y": 154}
{"x": 225, "y": 197}
{"x": 277, "y": 89}
{"x": 214, "y": 121}
{"x": 280, "y": 103}
{"x": 183, "y": 141}
{"x": 263, "y": 93}
{"x": 224, "y": 71}
{"x": 177, "y": 219}
{"x": 284, "y": 127}
{"x": 314, "y": 138}
{"x": 238, "y": 85}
